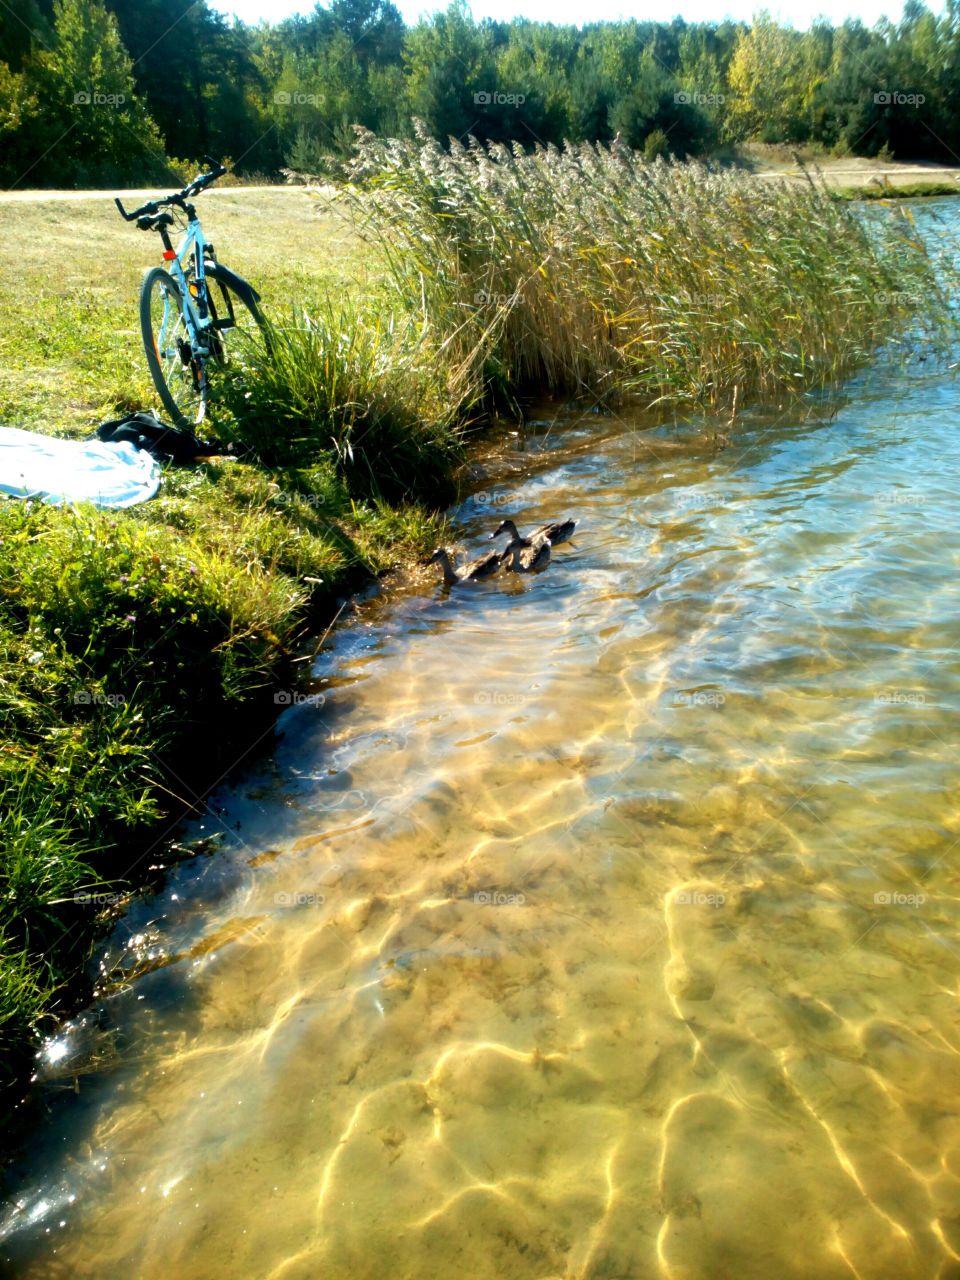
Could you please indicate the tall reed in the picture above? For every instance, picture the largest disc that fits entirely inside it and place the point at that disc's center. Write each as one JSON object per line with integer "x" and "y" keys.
{"x": 590, "y": 270}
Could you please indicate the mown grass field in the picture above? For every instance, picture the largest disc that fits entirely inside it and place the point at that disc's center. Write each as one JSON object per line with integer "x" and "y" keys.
{"x": 70, "y": 271}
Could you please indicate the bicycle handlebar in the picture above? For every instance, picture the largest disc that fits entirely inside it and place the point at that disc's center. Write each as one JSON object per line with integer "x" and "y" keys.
{"x": 199, "y": 183}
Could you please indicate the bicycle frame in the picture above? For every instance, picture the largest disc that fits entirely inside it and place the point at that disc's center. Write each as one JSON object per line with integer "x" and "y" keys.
{"x": 195, "y": 310}
{"x": 190, "y": 332}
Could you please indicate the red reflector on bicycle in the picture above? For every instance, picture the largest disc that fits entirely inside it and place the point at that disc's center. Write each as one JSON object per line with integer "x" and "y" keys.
{"x": 169, "y": 255}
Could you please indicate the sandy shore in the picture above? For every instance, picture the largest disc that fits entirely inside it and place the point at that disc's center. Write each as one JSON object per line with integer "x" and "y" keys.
{"x": 859, "y": 171}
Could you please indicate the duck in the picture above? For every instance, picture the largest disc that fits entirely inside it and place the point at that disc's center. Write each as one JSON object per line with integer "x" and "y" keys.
{"x": 526, "y": 555}
{"x": 555, "y": 533}
{"x": 472, "y": 571}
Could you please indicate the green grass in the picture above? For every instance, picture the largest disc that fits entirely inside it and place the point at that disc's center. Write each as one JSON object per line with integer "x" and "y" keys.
{"x": 70, "y": 351}
{"x": 900, "y": 191}
{"x": 139, "y": 655}
{"x": 376, "y": 393}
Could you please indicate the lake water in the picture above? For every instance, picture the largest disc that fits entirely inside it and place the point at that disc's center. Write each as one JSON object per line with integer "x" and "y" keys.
{"x": 599, "y": 924}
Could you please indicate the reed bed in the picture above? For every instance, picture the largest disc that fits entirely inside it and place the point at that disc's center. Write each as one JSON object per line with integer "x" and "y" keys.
{"x": 591, "y": 271}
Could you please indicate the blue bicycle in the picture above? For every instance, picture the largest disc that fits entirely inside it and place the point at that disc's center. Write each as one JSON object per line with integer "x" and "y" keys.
{"x": 194, "y": 311}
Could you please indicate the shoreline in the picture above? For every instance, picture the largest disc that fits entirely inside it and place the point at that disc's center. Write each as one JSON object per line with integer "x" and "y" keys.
{"x": 138, "y": 865}
{"x": 145, "y": 654}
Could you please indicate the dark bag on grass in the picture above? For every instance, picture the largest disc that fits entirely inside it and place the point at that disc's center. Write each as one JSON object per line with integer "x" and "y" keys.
{"x": 163, "y": 442}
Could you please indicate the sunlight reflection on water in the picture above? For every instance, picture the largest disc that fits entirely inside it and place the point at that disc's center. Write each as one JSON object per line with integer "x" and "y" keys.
{"x": 600, "y": 924}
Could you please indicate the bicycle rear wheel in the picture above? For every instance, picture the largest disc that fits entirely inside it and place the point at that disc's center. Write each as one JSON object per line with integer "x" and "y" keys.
{"x": 180, "y": 378}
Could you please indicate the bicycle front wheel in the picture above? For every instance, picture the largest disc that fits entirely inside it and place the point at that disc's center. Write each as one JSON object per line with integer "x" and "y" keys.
{"x": 237, "y": 320}
{"x": 179, "y": 376}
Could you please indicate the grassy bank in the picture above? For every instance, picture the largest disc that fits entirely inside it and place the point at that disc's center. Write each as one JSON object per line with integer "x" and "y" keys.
{"x": 140, "y": 651}
{"x": 139, "y": 658}
{"x": 902, "y": 191}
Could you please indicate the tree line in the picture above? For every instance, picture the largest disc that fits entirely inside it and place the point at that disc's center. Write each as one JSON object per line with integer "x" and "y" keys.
{"x": 115, "y": 91}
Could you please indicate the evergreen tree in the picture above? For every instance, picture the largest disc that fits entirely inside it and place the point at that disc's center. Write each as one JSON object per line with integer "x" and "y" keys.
{"x": 450, "y": 68}
{"x": 198, "y": 74}
{"x": 85, "y": 124}
{"x": 24, "y": 26}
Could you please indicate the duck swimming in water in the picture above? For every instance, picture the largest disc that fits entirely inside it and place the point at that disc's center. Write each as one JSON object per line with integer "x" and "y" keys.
{"x": 472, "y": 571}
{"x": 526, "y": 556}
{"x": 556, "y": 533}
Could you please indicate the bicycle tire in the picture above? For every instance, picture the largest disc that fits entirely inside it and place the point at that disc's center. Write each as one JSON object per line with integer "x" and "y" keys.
{"x": 182, "y": 387}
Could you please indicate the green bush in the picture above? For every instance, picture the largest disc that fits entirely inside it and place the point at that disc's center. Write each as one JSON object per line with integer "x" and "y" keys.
{"x": 379, "y": 400}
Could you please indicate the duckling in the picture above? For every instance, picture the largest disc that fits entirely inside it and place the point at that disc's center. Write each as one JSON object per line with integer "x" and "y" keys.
{"x": 527, "y": 556}
{"x": 472, "y": 571}
{"x": 555, "y": 533}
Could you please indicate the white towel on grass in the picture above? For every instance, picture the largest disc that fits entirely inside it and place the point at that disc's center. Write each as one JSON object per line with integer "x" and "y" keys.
{"x": 65, "y": 471}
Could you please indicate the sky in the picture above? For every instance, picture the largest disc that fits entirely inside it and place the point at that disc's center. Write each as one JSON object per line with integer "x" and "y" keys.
{"x": 799, "y": 13}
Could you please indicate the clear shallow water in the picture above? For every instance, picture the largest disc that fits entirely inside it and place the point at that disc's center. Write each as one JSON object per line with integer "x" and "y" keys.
{"x": 602, "y": 924}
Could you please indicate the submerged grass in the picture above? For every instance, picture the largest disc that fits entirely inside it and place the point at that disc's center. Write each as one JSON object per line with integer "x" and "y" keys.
{"x": 591, "y": 271}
